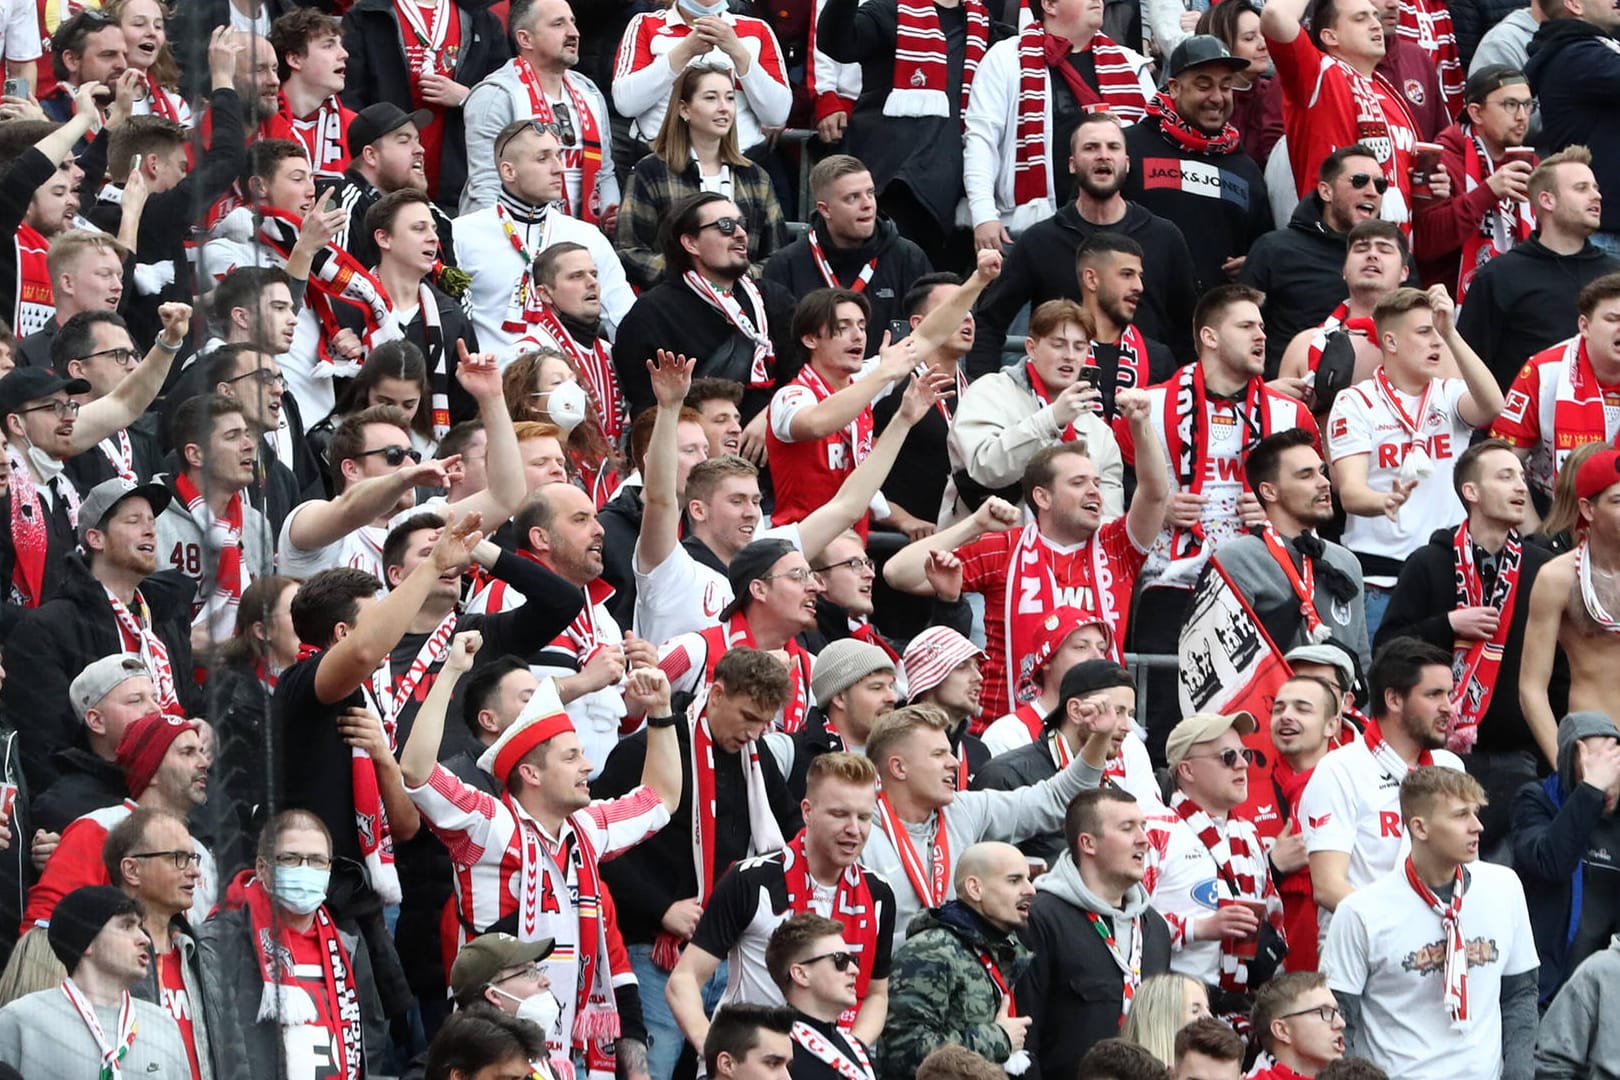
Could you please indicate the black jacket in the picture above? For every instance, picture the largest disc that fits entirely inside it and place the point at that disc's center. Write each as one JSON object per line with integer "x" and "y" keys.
{"x": 899, "y": 263}
{"x": 372, "y": 36}
{"x": 90, "y": 468}
{"x": 1426, "y": 593}
{"x": 1523, "y": 301}
{"x": 671, "y": 316}
{"x": 1574, "y": 71}
{"x": 84, "y": 782}
{"x": 1301, "y": 271}
{"x": 656, "y": 873}
{"x": 924, "y": 153}
{"x": 621, "y": 525}
{"x": 239, "y": 709}
{"x": 53, "y": 643}
{"x": 1470, "y": 19}
{"x": 1558, "y": 826}
{"x": 1074, "y": 989}
{"x": 1040, "y": 267}
{"x": 356, "y": 195}
{"x": 1220, "y": 219}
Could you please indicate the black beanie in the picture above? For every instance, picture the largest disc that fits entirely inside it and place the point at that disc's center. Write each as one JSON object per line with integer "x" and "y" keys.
{"x": 80, "y": 916}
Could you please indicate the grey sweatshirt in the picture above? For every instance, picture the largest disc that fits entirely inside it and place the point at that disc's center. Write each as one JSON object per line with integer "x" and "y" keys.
{"x": 1579, "y": 1036}
{"x": 1063, "y": 881}
{"x": 42, "y": 1035}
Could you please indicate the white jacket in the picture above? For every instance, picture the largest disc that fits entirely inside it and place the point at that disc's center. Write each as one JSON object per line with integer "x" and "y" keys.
{"x": 502, "y": 98}
{"x": 1000, "y": 424}
{"x": 483, "y": 250}
{"x": 989, "y": 143}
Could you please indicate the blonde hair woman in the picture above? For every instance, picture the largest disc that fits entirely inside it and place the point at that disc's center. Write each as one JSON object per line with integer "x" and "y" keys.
{"x": 696, "y": 150}
{"x": 1162, "y": 1006}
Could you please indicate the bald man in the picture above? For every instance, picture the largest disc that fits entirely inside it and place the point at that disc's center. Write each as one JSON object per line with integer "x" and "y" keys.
{"x": 951, "y": 980}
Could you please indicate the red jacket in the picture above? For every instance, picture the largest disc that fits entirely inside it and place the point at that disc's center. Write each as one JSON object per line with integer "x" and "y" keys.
{"x": 1442, "y": 225}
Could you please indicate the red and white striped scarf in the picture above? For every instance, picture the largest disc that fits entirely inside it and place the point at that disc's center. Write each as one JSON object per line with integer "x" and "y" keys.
{"x": 737, "y": 634}
{"x": 436, "y": 354}
{"x": 1319, "y": 338}
{"x": 921, "y": 72}
{"x": 755, "y": 328}
{"x": 1505, "y": 224}
{"x": 223, "y": 535}
{"x": 30, "y": 532}
{"x": 585, "y": 133}
{"x": 1456, "y": 969}
{"x": 1231, "y": 853}
{"x": 1474, "y": 664}
{"x": 598, "y": 378}
{"x": 764, "y": 833}
{"x": 1032, "y": 594}
{"x": 822, "y": 1049}
{"x": 335, "y": 277}
{"x": 139, "y": 637}
{"x": 36, "y": 301}
{"x": 1118, "y": 91}
{"x": 852, "y": 905}
{"x": 1429, "y": 24}
{"x": 1186, "y": 437}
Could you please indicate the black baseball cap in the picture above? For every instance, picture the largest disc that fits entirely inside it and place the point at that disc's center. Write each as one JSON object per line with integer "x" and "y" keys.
{"x": 374, "y": 121}
{"x": 1489, "y": 79}
{"x": 24, "y": 384}
{"x": 1202, "y": 50}
{"x": 749, "y": 565}
{"x": 1084, "y": 679}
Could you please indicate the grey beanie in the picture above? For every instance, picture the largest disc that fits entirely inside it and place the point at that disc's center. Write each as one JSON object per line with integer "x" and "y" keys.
{"x": 844, "y": 663}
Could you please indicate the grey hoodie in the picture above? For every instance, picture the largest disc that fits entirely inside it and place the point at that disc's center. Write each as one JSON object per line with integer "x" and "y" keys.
{"x": 1063, "y": 881}
{"x": 1579, "y": 1036}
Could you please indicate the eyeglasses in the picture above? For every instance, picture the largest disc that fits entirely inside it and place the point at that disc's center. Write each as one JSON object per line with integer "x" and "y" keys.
{"x": 1360, "y": 180}
{"x": 289, "y": 860}
{"x": 841, "y": 960}
{"x": 859, "y": 563}
{"x": 728, "y": 226}
{"x": 122, "y": 357}
{"x": 177, "y": 858}
{"x": 263, "y": 375}
{"x": 1328, "y": 1013}
{"x": 564, "y": 122}
{"x": 799, "y": 575}
{"x": 527, "y": 971}
{"x": 395, "y": 455}
{"x": 1227, "y": 757}
{"x": 63, "y": 408}
{"x": 1518, "y": 105}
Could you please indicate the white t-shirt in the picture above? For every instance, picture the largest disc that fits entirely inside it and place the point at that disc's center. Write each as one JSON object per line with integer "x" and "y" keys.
{"x": 1352, "y": 803}
{"x": 361, "y": 549}
{"x": 1387, "y": 947}
{"x": 1362, "y": 422}
{"x": 682, "y": 596}
{"x": 19, "y": 31}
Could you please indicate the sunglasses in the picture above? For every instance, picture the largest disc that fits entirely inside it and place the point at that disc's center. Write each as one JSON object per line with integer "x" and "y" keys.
{"x": 728, "y": 226}
{"x": 1227, "y": 757}
{"x": 395, "y": 455}
{"x": 564, "y": 123}
{"x": 842, "y": 961}
{"x": 1360, "y": 180}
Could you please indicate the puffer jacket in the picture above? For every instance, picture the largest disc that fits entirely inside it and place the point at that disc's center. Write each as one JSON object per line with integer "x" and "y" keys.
{"x": 940, "y": 993}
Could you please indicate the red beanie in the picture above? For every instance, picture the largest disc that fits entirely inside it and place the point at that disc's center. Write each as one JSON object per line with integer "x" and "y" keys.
{"x": 143, "y": 746}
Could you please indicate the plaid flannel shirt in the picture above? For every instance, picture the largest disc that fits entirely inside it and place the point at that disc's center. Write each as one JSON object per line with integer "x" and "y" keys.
{"x": 653, "y": 189}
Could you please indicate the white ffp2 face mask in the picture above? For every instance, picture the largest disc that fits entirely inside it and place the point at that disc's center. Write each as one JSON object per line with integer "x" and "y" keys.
{"x": 566, "y": 404}
{"x": 542, "y": 1009}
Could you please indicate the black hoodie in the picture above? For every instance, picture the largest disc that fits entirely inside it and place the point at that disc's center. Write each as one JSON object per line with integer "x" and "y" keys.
{"x": 1523, "y": 301}
{"x": 1574, "y": 71}
{"x": 1301, "y": 271}
{"x": 899, "y": 263}
{"x": 1040, "y": 267}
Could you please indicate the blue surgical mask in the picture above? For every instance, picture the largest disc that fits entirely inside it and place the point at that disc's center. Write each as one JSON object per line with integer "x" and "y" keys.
{"x": 299, "y": 888}
{"x": 698, "y": 11}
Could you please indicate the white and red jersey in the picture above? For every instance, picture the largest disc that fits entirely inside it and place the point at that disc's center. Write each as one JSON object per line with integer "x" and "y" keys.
{"x": 1326, "y": 105}
{"x": 1554, "y": 407}
{"x": 1352, "y": 803}
{"x": 1071, "y": 576}
{"x": 808, "y": 473}
{"x": 506, "y": 864}
{"x": 1364, "y": 420}
{"x": 682, "y": 595}
{"x": 1185, "y": 883}
{"x": 1218, "y": 456}
{"x": 596, "y": 715}
{"x": 689, "y": 661}
{"x": 642, "y": 77}
{"x": 177, "y": 1000}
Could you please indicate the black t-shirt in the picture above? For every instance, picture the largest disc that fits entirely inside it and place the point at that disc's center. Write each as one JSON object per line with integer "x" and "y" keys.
{"x": 312, "y": 762}
{"x": 917, "y": 481}
{"x": 751, "y": 900}
{"x": 1161, "y": 364}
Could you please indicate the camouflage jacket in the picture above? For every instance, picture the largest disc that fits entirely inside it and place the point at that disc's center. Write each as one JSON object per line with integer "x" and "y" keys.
{"x": 940, "y": 992}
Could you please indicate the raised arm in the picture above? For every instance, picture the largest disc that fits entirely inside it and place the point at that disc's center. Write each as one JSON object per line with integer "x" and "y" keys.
{"x": 907, "y": 570}
{"x": 353, "y": 659}
{"x": 1151, "y": 501}
{"x": 480, "y": 376}
{"x": 421, "y": 751}
{"x": 647, "y": 694}
{"x": 671, "y": 377}
{"x": 1483, "y": 402}
{"x": 121, "y": 408}
{"x": 1280, "y": 19}
{"x": 325, "y": 521}
{"x": 839, "y": 410}
{"x": 822, "y": 524}
{"x": 60, "y": 143}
